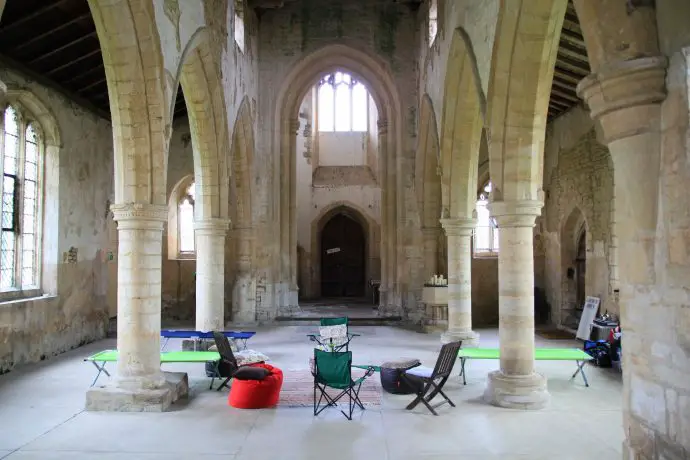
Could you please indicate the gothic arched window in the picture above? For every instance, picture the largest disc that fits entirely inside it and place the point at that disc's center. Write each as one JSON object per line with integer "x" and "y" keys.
{"x": 486, "y": 233}
{"x": 343, "y": 104}
{"x": 185, "y": 222}
{"x": 22, "y": 152}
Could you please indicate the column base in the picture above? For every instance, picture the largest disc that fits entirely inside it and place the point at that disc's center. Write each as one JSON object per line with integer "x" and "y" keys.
{"x": 527, "y": 392}
{"x": 470, "y": 339}
{"x": 116, "y": 398}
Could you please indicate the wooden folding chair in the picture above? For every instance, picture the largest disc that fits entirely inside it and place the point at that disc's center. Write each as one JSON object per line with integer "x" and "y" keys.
{"x": 433, "y": 379}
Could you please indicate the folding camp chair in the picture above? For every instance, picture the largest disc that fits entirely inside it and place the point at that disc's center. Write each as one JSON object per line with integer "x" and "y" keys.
{"x": 334, "y": 370}
{"x": 227, "y": 365}
{"x": 334, "y": 334}
{"x": 433, "y": 379}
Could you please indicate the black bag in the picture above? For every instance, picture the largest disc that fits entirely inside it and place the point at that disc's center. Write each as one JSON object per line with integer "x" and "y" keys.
{"x": 600, "y": 351}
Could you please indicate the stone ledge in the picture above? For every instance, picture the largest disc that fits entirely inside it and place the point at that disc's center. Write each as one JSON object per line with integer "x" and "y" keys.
{"x": 110, "y": 398}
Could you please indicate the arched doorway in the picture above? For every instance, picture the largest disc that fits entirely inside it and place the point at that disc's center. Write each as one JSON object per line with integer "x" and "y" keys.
{"x": 343, "y": 257}
{"x": 581, "y": 270}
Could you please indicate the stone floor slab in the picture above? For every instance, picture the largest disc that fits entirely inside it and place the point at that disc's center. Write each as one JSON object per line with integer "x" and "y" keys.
{"x": 46, "y": 403}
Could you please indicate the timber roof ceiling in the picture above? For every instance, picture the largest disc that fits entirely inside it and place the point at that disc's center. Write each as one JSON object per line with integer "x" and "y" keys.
{"x": 55, "y": 43}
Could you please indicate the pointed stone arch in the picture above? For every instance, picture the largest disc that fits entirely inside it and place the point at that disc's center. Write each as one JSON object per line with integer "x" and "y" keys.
{"x": 462, "y": 128}
{"x": 571, "y": 231}
{"x": 428, "y": 188}
{"x": 378, "y": 79}
{"x": 139, "y": 103}
{"x": 201, "y": 83}
{"x": 241, "y": 165}
{"x": 522, "y": 67}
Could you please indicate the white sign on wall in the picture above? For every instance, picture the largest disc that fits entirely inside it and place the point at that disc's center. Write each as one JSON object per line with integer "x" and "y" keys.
{"x": 332, "y": 251}
{"x": 589, "y": 312}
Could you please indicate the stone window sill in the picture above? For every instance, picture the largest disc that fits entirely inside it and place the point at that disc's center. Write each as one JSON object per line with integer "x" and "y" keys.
{"x": 485, "y": 255}
{"x": 8, "y": 303}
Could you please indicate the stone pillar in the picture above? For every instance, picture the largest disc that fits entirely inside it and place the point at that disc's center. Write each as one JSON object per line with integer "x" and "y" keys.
{"x": 244, "y": 290}
{"x": 516, "y": 385}
{"x": 140, "y": 384}
{"x": 430, "y": 251}
{"x": 625, "y": 99}
{"x": 210, "y": 274}
{"x": 459, "y": 233}
{"x": 292, "y": 196}
{"x": 388, "y": 227}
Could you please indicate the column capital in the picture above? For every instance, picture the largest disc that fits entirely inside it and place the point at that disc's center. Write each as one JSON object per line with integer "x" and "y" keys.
{"x": 519, "y": 213}
{"x": 139, "y": 215}
{"x": 621, "y": 94}
{"x": 213, "y": 226}
{"x": 383, "y": 126}
{"x": 458, "y": 227}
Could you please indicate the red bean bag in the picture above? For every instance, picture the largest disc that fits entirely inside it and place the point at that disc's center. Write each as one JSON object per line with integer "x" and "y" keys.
{"x": 257, "y": 394}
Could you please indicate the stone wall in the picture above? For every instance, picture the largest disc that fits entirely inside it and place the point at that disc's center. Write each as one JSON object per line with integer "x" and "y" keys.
{"x": 78, "y": 192}
{"x": 578, "y": 185}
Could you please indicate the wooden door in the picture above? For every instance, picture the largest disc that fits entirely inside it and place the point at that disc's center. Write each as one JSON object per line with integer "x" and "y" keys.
{"x": 343, "y": 265}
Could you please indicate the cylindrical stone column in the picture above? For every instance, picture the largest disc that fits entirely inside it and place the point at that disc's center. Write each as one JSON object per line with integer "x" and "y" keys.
{"x": 140, "y": 241}
{"x": 516, "y": 384}
{"x": 459, "y": 233}
{"x": 292, "y": 196}
{"x": 210, "y": 274}
{"x": 388, "y": 234}
{"x": 625, "y": 98}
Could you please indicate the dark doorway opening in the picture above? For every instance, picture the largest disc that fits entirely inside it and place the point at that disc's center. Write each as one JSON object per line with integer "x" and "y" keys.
{"x": 343, "y": 256}
{"x": 581, "y": 270}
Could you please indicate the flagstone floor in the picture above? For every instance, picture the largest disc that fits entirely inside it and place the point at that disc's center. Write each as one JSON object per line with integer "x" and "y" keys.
{"x": 42, "y": 416}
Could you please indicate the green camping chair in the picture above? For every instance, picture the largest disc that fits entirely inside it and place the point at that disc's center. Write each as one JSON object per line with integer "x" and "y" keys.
{"x": 334, "y": 370}
{"x": 329, "y": 339}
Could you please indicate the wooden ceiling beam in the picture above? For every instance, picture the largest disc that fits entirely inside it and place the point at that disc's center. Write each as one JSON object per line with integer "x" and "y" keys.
{"x": 63, "y": 47}
{"x": 91, "y": 85}
{"x": 566, "y": 96}
{"x": 41, "y": 36}
{"x": 74, "y": 61}
{"x": 34, "y": 14}
{"x": 560, "y": 101}
{"x": 83, "y": 74}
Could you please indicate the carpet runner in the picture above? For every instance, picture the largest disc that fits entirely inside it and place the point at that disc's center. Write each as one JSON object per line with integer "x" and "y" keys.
{"x": 298, "y": 389}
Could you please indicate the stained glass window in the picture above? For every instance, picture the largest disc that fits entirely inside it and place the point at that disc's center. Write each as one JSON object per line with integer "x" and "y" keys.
{"x": 343, "y": 104}
{"x": 21, "y": 167}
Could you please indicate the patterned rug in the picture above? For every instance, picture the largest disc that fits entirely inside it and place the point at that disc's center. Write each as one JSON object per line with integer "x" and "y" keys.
{"x": 298, "y": 389}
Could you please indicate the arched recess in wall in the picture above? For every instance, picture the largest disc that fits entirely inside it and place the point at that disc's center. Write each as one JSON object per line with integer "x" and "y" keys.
{"x": 203, "y": 91}
{"x": 372, "y": 234}
{"x": 462, "y": 129}
{"x": 52, "y": 139}
{"x": 377, "y": 78}
{"x": 139, "y": 104}
{"x": 573, "y": 269}
{"x": 242, "y": 160}
{"x": 428, "y": 188}
{"x": 519, "y": 92}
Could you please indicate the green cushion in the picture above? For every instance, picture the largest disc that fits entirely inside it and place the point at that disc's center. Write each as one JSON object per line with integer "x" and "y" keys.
{"x": 540, "y": 354}
{"x": 166, "y": 357}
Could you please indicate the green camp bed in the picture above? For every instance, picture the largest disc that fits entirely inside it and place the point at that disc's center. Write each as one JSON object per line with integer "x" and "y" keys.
{"x": 540, "y": 354}
{"x": 101, "y": 358}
